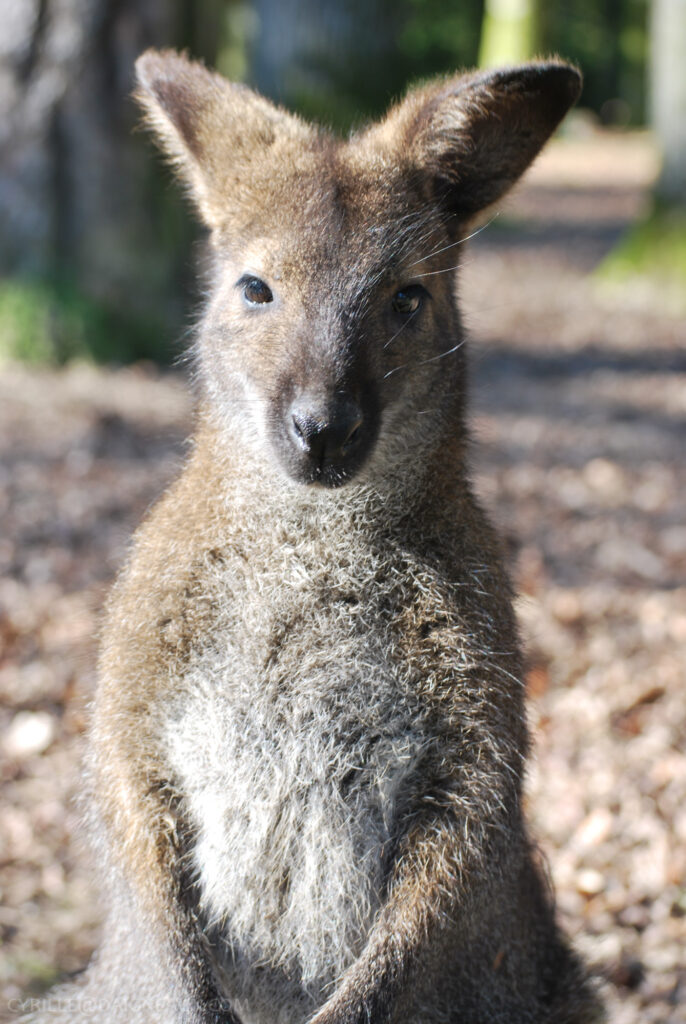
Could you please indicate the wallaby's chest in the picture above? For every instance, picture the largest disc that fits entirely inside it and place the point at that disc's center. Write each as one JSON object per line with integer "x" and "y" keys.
{"x": 296, "y": 752}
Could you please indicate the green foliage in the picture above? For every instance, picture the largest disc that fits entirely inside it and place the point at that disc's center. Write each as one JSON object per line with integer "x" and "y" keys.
{"x": 436, "y": 36}
{"x": 239, "y": 29}
{"x": 37, "y": 975}
{"x": 609, "y": 42}
{"x": 52, "y": 322}
{"x": 653, "y": 252}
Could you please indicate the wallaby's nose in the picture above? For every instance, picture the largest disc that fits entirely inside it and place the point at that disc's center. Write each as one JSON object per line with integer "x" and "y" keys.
{"x": 331, "y": 431}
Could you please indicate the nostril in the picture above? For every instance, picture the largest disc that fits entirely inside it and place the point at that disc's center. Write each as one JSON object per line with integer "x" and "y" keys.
{"x": 311, "y": 432}
{"x": 298, "y": 428}
{"x": 304, "y": 429}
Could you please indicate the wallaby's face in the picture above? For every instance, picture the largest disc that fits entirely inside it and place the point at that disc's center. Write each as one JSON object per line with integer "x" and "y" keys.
{"x": 323, "y": 326}
{"x": 332, "y": 323}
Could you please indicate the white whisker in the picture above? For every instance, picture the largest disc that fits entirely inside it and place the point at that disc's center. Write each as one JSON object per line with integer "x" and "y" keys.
{"x": 401, "y": 329}
{"x": 448, "y": 352}
{"x": 423, "y": 362}
{"x": 452, "y": 245}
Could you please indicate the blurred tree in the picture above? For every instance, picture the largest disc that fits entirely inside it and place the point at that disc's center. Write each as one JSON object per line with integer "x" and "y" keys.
{"x": 609, "y": 42}
{"x": 335, "y": 62}
{"x": 341, "y": 63}
{"x": 510, "y": 32}
{"x": 80, "y": 200}
{"x": 668, "y": 96}
{"x": 652, "y": 254}
{"x": 84, "y": 213}
{"x": 440, "y": 37}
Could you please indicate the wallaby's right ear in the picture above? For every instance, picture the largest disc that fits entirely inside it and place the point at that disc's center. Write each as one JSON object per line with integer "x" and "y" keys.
{"x": 213, "y": 130}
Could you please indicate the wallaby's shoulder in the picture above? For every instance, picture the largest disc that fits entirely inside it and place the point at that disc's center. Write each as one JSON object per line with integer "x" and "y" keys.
{"x": 167, "y": 551}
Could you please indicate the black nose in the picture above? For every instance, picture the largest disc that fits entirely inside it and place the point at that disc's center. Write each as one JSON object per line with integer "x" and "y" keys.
{"x": 326, "y": 431}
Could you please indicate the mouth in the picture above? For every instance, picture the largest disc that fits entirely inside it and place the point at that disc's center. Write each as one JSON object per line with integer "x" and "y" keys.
{"x": 329, "y": 474}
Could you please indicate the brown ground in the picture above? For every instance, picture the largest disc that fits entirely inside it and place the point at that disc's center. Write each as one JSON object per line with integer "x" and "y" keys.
{"x": 580, "y": 410}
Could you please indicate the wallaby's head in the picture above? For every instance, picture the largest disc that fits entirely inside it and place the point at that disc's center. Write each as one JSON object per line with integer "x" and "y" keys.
{"x": 332, "y": 332}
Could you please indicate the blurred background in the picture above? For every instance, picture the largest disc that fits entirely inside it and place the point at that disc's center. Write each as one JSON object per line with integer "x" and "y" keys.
{"x": 575, "y": 300}
{"x": 94, "y": 245}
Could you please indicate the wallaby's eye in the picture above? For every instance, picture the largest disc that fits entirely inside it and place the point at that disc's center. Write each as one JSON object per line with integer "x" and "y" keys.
{"x": 408, "y": 300}
{"x": 255, "y": 292}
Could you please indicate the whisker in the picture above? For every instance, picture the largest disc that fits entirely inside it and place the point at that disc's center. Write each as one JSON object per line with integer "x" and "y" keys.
{"x": 452, "y": 245}
{"x": 423, "y": 362}
{"x": 448, "y": 352}
{"x": 446, "y": 270}
{"x": 401, "y": 329}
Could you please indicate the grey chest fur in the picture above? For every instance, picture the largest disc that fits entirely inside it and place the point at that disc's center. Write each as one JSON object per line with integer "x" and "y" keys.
{"x": 295, "y": 753}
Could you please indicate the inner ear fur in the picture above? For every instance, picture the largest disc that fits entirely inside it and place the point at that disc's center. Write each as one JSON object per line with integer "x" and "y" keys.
{"x": 214, "y": 131}
{"x": 474, "y": 135}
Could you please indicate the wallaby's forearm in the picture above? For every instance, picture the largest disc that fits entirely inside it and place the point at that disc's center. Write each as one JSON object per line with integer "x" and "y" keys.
{"x": 435, "y": 881}
{"x": 141, "y": 816}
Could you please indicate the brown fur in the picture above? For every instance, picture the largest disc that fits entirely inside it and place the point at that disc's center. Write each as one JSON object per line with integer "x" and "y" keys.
{"x": 309, "y": 733}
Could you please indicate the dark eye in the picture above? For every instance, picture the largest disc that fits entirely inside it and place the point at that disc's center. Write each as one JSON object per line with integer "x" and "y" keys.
{"x": 255, "y": 292}
{"x": 408, "y": 300}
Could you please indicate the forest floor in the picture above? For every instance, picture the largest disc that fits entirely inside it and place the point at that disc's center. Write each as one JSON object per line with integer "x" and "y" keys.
{"x": 579, "y": 411}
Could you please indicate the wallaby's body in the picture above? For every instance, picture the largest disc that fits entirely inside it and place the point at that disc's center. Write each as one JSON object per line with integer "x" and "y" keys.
{"x": 308, "y": 738}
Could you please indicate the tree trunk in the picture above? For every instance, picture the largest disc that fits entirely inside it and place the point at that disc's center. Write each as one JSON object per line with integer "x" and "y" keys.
{"x": 80, "y": 196}
{"x": 333, "y": 61}
{"x": 668, "y": 95}
{"x": 509, "y": 34}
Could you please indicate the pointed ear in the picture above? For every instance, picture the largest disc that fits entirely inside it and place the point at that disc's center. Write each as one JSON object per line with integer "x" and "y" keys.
{"x": 476, "y": 134}
{"x": 214, "y": 131}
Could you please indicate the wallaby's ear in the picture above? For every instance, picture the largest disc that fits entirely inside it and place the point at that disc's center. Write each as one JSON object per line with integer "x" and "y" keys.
{"x": 476, "y": 134}
{"x": 213, "y": 130}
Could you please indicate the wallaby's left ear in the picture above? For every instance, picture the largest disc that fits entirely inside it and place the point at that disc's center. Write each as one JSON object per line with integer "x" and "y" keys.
{"x": 476, "y": 134}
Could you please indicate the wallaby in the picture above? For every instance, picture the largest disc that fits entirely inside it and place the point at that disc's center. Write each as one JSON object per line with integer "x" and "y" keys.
{"x": 309, "y": 732}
